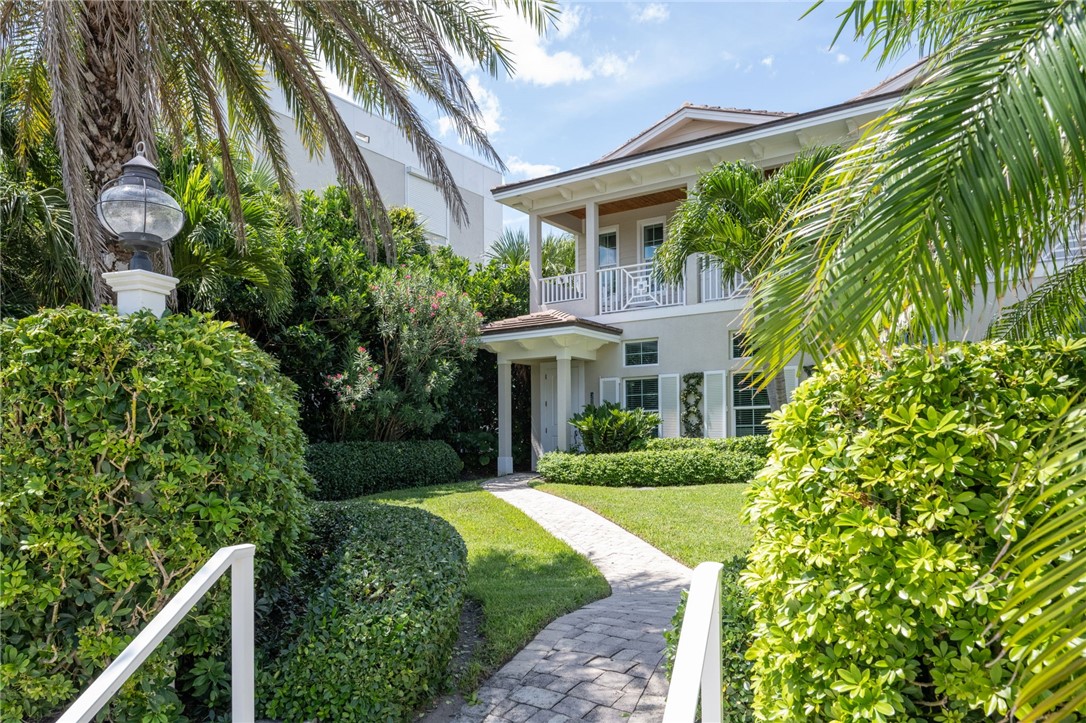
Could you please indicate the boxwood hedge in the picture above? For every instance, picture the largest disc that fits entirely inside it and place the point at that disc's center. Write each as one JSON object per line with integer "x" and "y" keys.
{"x": 757, "y": 444}
{"x": 686, "y": 465}
{"x": 343, "y": 470}
{"x": 132, "y": 449}
{"x": 368, "y": 627}
{"x": 893, "y": 485}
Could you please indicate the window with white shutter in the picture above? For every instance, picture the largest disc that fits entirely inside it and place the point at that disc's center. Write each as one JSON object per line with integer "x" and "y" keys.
{"x": 609, "y": 390}
{"x": 716, "y": 407}
{"x": 669, "y": 405}
{"x": 791, "y": 381}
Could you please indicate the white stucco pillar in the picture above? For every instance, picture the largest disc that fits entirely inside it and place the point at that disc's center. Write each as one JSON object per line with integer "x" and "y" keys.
{"x": 505, "y": 417}
{"x": 592, "y": 255}
{"x": 535, "y": 259}
{"x": 562, "y": 403}
{"x": 692, "y": 280}
{"x": 139, "y": 290}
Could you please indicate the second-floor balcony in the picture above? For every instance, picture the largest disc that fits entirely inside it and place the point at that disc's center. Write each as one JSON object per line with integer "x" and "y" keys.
{"x": 637, "y": 286}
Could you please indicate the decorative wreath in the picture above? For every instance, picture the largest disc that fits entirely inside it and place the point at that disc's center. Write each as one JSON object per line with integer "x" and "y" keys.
{"x": 693, "y": 419}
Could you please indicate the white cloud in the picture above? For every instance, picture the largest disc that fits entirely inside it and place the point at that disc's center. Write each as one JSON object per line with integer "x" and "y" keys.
{"x": 842, "y": 58}
{"x": 610, "y": 65}
{"x": 490, "y": 110}
{"x": 572, "y": 18}
{"x": 726, "y": 56}
{"x": 534, "y": 63}
{"x": 651, "y": 13}
{"x": 524, "y": 169}
{"x": 767, "y": 61}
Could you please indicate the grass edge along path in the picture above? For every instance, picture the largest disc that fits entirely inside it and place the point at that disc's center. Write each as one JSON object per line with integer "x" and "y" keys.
{"x": 521, "y": 575}
{"x": 690, "y": 524}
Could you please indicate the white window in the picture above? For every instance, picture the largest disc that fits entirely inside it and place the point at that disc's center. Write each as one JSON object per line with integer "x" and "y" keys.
{"x": 749, "y": 407}
{"x": 641, "y": 353}
{"x": 652, "y": 237}
{"x": 608, "y": 245}
{"x": 643, "y": 394}
{"x": 738, "y": 345}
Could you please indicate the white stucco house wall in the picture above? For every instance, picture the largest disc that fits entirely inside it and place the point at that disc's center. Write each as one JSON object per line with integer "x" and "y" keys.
{"x": 400, "y": 178}
{"x": 610, "y": 331}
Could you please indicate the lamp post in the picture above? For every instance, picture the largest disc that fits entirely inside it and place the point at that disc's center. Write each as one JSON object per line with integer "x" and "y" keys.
{"x": 136, "y": 209}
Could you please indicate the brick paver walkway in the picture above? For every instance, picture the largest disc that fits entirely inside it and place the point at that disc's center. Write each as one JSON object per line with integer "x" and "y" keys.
{"x": 599, "y": 663}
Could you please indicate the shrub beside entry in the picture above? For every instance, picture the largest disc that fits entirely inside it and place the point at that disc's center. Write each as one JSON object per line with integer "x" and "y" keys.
{"x": 892, "y": 487}
{"x": 367, "y": 628}
{"x": 736, "y": 621}
{"x": 610, "y": 428}
{"x": 133, "y": 448}
{"x": 343, "y": 470}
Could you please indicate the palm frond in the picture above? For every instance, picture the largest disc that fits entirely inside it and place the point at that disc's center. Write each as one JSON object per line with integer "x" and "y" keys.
{"x": 510, "y": 248}
{"x": 1056, "y": 308}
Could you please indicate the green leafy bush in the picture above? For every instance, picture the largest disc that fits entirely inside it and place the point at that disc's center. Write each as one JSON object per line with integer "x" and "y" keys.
{"x": 372, "y": 618}
{"x": 610, "y": 428}
{"x": 133, "y": 448}
{"x": 343, "y": 470}
{"x": 757, "y": 444}
{"x": 651, "y": 467}
{"x": 736, "y": 621}
{"x": 893, "y": 485}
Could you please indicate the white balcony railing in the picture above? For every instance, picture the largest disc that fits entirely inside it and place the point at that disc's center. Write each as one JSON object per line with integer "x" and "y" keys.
{"x": 568, "y": 287}
{"x": 697, "y": 671}
{"x": 623, "y": 288}
{"x": 239, "y": 560}
{"x": 717, "y": 287}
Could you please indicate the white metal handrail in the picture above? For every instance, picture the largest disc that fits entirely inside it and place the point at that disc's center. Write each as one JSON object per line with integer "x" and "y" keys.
{"x": 567, "y": 287}
{"x": 697, "y": 660}
{"x": 239, "y": 560}
{"x": 636, "y": 287}
{"x": 716, "y": 287}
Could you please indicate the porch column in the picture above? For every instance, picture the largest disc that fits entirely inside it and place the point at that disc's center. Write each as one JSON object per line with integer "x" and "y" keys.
{"x": 692, "y": 275}
{"x": 592, "y": 255}
{"x": 535, "y": 260}
{"x": 561, "y": 406}
{"x": 505, "y": 417}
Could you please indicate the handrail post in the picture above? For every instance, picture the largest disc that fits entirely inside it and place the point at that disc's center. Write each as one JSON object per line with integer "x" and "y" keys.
{"x": 242, "y": 639}
{"x": 712, "y": 692}
{"x": 697, "y": 666}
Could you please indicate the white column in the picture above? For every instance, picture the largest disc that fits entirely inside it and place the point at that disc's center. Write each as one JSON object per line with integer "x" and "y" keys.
{"x": 592, "y": 255}
{"x": 139, "y": 290}
{"x": 535, "y": 259}
{"x": 562, "y": 403}
{"x": 692, "y": 280}
{"x": 505, "y": 418}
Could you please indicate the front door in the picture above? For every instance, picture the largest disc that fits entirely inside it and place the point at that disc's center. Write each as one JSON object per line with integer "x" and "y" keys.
{"x": 548, "y": 393}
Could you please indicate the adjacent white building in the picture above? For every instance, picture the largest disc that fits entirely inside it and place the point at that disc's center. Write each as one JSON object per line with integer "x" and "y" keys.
{"x": 611, "y": 331}
{"x": 401, "y": 180}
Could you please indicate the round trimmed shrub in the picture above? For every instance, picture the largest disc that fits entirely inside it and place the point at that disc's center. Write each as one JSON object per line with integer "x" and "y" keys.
{"x": 893, "y": 485}
{"x": 372, "y": 618}
{"x": 343, "y": 470}
{"x": 133, "y": 448}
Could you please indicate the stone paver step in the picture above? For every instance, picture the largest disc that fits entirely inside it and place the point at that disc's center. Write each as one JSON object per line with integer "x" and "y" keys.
{"x": 603, "y": 661}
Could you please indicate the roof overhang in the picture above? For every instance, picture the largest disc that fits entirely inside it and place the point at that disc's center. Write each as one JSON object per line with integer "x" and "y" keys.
{"x": 566, "y": 341}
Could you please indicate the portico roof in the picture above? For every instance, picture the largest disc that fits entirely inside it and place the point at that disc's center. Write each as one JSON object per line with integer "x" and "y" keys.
{"x": 547, "y": 334}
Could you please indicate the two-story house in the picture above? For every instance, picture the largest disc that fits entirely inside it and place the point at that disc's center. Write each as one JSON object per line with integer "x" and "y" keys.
{"x": 610, "y": 332}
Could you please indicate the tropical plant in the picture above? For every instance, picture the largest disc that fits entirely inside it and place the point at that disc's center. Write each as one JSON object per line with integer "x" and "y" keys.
{"x": 957, "y": 193}
{"x": 558, "y": 253}
{"x": 610, "y": 428}
{"x": 111, "y": 73}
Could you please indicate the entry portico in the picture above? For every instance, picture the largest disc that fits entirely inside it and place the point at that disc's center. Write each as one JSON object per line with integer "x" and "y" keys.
{"x": 546, "y": 338}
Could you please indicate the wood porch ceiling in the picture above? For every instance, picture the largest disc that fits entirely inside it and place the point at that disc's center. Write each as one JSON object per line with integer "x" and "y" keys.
{"x": 632, "y": 204}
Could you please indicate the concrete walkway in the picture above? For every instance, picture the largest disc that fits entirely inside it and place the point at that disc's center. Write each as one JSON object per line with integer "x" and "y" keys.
{"x": 599, "y": 663}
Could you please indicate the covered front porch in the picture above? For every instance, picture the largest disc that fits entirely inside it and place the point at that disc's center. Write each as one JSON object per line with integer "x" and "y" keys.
{"x": 557, "y": 345}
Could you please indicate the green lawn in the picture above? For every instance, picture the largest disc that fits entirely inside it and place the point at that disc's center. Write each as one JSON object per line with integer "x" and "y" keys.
{"x": 522, "y": 576}
{"x": 691, "y": 524}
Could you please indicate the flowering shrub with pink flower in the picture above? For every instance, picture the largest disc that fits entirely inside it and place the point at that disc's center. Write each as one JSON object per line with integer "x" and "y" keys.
{"x": 395, "y": 387}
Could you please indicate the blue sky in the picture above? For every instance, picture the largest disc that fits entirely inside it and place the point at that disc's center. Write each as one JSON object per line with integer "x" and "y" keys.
{"x": 612, "y": 69}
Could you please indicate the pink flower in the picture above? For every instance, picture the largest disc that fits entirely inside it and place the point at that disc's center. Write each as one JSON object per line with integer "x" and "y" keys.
{"x": 433, "y": 306}
{"x": 440, "y": 294}
{"x": 361, "y": 350}
{"x": 411, "y": 310}
{"x": 479, "y": 314}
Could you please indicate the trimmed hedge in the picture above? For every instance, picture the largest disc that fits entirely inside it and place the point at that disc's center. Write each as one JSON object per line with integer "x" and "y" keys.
{"x": 344, "y": 470}
{"x": 132, "y": 449}
{"x": 696, "y": 465}
{"x": 736, "y": 623}
{"x": 368, "y": 627}
{"x": 894, "y": 485}
{"x": 756, "y": 445}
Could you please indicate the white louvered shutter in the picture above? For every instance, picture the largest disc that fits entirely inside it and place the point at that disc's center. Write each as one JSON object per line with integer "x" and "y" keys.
{"x": 669, "y": 405}
{"x": 716, "y": 406}
{"x": 791, "y": 381}
{"x": 427, "y": 201}
{"x": 609, "y": 390}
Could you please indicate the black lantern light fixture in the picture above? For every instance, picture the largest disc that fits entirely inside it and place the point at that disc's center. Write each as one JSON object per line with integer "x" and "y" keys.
{"x": 136, "y": 209}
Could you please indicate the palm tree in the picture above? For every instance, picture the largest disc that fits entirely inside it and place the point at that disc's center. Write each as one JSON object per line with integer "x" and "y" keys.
{"x": 558, "y": 255}
{"x": 960, "y": 188}
{"x": 510, "y": 248}
{"x": 112, "y": 72}
{"x": 732, "y": 215}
